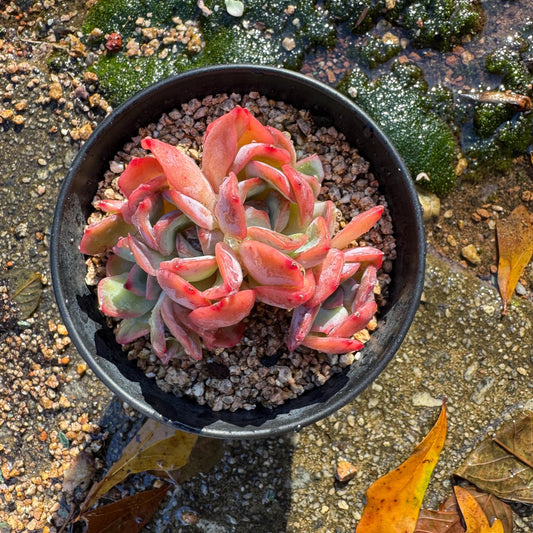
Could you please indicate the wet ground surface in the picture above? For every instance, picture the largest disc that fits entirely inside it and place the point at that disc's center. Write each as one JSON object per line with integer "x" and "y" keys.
{"x": 52, "y": 407}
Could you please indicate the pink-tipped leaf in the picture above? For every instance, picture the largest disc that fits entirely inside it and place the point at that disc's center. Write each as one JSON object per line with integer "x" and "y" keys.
{"x": 116, "y": 301}
{"x": 286, "y": 297}
{"x": 187, "y": 338}
{"x": 192, "y": 268}
{"x": 139, "y": 170}
{"x": 226, "y": 312}
{"x": 105, "y": 234}
{"x": 182, "y": 173}
{"x": 230, "y": 271}
{"x": 269, "y": 266}
{"x": 266, "y": 153}
{"x": 229, "y": 209}
{"x": 180, "y": 290}
{"x": 356, "y": 321}
{"x": 358, "y": 226}
{"x": 328, "y": 276}
{"x": 195, "y": 210}
{"x": 301, "y": 322}
{"x": 302, "y": 193}
{"x": 270, "y": 175}
{"x": 332, "y": 345}
{"x": 284, "y": 243}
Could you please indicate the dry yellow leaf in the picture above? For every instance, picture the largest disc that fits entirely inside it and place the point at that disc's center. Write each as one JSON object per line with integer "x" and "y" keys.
{"x": 156, "y": 446}
{"x": 515, "y": 248}
{"x": 473, "y": 515}
{"x": 394, "y": 500}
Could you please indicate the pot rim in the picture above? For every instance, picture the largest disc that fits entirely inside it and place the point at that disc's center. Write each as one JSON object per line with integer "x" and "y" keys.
{"x": 281, "y": 419}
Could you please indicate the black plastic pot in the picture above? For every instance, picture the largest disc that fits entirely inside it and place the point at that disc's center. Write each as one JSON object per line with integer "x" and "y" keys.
{"x": 77, "y": 303}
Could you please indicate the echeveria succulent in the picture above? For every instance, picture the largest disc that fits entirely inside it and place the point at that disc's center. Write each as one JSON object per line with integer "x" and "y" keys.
{"x": 192, "y": 249}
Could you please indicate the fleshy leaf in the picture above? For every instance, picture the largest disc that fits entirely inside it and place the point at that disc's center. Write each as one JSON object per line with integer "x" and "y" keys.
{"x": 147, "y": 258}
{"x": 190, "y": 341}
{"x": 103, "y": 235}
{"x": 154, "y": 186}
{"x": 130, "y": 329}
{"x": 226, "y": 312}
{"x": 166, "y": 229}
{"x": 394, "y": 500}
{"x": 311, "y": 166}
{"x": 251, "y": 187}
{"x": 365, "y": 291}
{"x": 286, "y": 297}
{"x": 230, "y": 271}
{"x": 301, "y": 322}
{"x": 302, "y": 193}
{"x": 284, "y": 243}
{"x": 192, "y": 268}
{"x": 358, "y": 226}
{"x": 271, "y": 175}
{"x": 229, "y": 209}
{"x": 139, "y": 170}
{"x": 116, "y": 301}
{"x": 328, "y": 319}
{"x": 266, "y": 153}
{"x": 180, "y": 290}
{"x": 156, "y": 446}
{"x": 196, "y": 211}
{"x": 515, "y": 248}
{"x": 356, "y": 321}
{"x": 279, "y": 138}
{"x": 151, "y": 208}
{"x": 220, "y": 144}
{"x": 182, "y": 172}
{"x": 269, "y": 266}
{"x": 332, "y": 345}
{"x": 328, "y": 276}
{"x": 364, "y": 254}
{"x": 316, "y": 248}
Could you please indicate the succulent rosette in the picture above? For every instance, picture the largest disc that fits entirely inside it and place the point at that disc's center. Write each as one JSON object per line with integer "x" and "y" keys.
{"x": 191, "y": 249}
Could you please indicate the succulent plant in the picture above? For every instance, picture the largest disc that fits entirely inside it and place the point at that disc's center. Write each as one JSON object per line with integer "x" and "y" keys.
{"x": 190, "y": 250}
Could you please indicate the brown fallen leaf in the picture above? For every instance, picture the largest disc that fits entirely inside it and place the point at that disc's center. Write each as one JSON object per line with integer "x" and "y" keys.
{"x": 515, "y": 248}
{"x": 503, "y": 465}
{"x": 25, "y": 289}
{"x": 129, "y": 514}
{"x": 448, "y": 519}
{"x": 155, "y": 447}
{"x": 475, "y": 519}
{"x": 394, "y": 500}
{"x": 204, "y": 456}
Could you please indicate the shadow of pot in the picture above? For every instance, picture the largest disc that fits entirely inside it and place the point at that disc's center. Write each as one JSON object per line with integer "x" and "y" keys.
{"x": 77, "y": 302}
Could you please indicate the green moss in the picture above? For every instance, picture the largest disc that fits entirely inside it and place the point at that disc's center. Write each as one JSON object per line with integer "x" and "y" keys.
{"x": 121, "y": 76}
{"x": 360, "y": 14}
{"x": 400, "y": 103}
{"x": 237, "y": 45}
{"x": 441, "y": 23}
{"x": 120, "y": 15}
{"x": 308, "y": 24}
{"x": 499, "y": 132}
{"x": 280, "y": 35}
{"x": 374, "y": 51}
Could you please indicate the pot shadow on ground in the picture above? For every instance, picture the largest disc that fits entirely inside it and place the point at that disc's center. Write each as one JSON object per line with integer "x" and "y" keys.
{"x": 248, "y": 489}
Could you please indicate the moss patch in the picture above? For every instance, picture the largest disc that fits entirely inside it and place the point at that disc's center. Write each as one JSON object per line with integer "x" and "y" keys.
{"x": 497, "y": 132}
{"x": 401, "y": 104}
